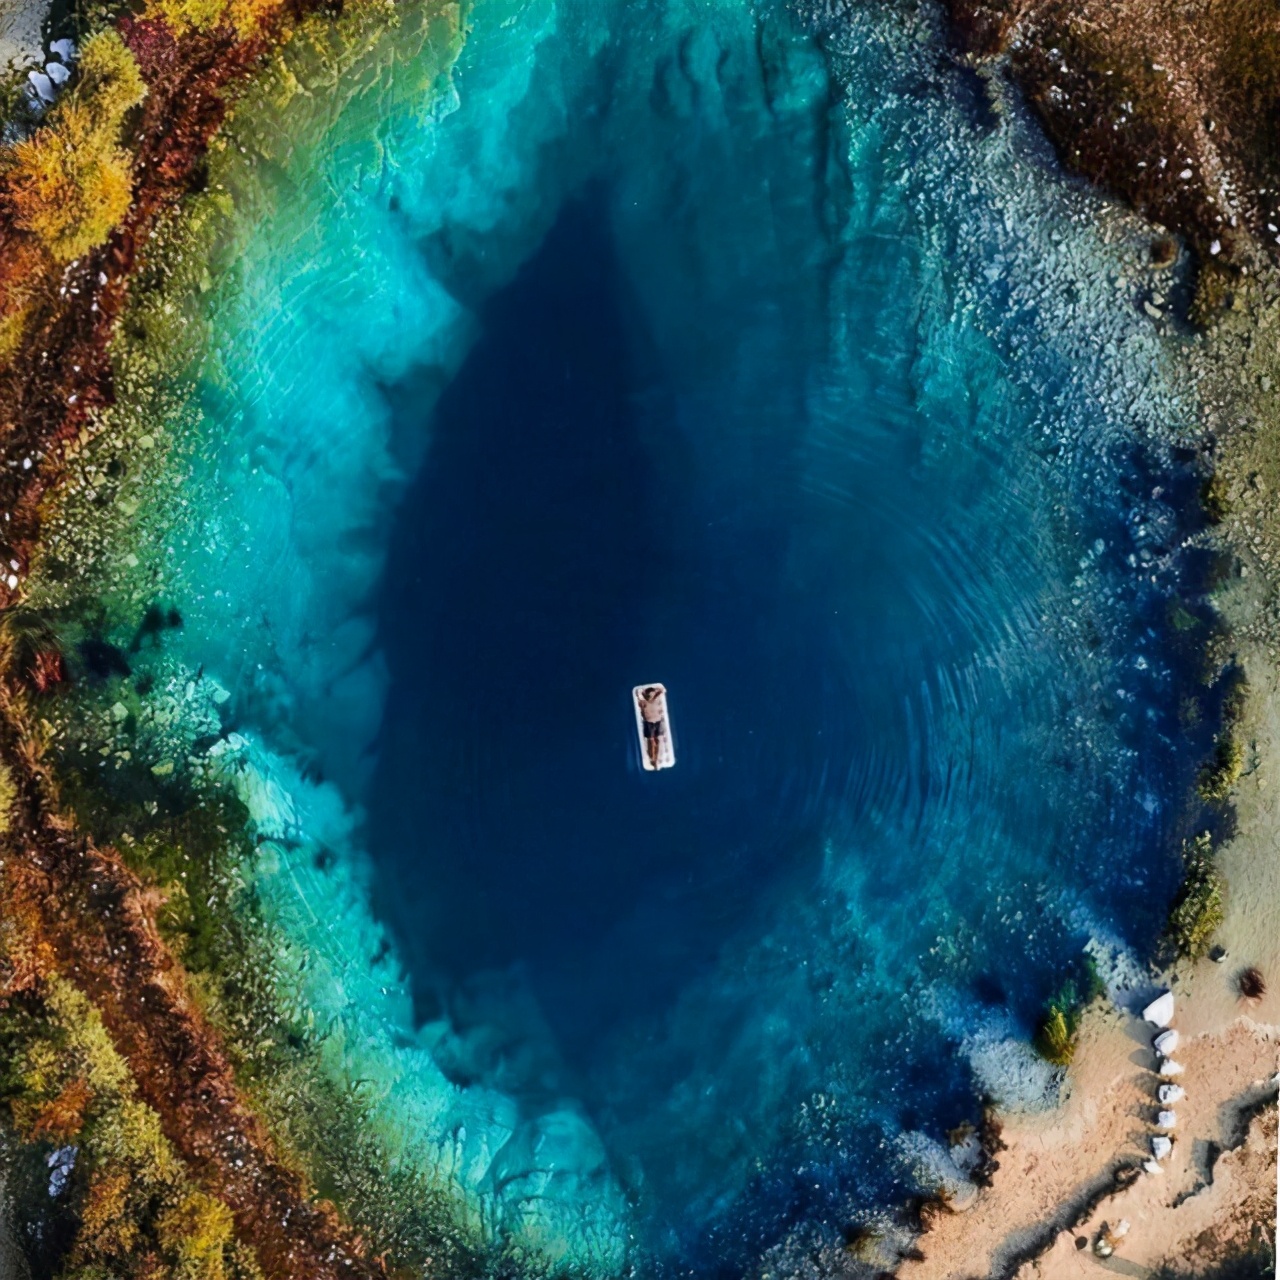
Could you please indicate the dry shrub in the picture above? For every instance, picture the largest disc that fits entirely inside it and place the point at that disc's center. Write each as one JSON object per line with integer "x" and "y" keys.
{"x": 63, "y": 1116}
{"x": 1251, "y": 984}
{"x": 71, "y": 182}
{"x": 107, "y": 1226}
{"x": 197, "y": 1231}
{"x": 71, "y": 185}
{"x": 142, "y": 1214}
{"x": 23, "y": 266}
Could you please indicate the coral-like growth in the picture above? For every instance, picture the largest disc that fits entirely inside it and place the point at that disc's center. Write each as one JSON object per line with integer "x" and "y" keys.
{"x": 1198, "y": 910}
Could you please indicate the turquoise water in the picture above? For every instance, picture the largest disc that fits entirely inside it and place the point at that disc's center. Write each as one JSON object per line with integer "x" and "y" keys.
{"x": 749, "y": 352}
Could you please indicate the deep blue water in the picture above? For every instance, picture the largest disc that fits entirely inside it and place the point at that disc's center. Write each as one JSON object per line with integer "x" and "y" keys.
{"x": 574, "y": 565}
{"x": 597, "y": 508}
{"x": 692, "y": 346}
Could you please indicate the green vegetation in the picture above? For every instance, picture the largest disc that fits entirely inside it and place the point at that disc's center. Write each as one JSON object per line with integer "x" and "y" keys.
{"x": 1059, "y": 1025}
{"x": 1213, "y": 498}
{"x": 1181, "y": 618}
{"x": 197, "y": 1231}
{"x": 8, "y": 794}
{"x": 1222, "y": 772}
{"x": 187, "y": 15}
{"x": 183, "y": 833}
{"x": 1226, "y": 765}
{"x": 1198, "y": 909}
{"x": 1094, "y": 986}
{"x": 71, "y": 182}
{"x": 1055, "y": 1038}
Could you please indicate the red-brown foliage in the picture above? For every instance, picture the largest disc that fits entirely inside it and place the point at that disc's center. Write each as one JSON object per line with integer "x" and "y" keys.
{"x": 47, "y": 669}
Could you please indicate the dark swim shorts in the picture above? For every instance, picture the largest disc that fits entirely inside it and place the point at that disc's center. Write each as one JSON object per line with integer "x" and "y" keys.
{"x": 652, "y": 730}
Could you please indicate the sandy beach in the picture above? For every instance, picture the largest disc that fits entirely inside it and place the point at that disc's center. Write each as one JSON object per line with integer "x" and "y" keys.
{"x": 1069, "y": 1177}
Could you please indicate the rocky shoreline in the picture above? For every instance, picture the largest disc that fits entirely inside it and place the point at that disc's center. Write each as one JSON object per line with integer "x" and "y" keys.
{"x": 1170, "y": 106}
{"x": 1145, "y": 99}
{"x": 74, "y": 910}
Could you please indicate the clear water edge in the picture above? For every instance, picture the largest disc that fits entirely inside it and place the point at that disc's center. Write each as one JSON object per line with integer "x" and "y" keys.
{"x": 980, "y": 364}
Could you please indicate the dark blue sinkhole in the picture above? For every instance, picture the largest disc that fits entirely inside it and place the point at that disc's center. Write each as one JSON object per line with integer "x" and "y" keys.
{"x": 870, "y": 819}
{"x": 541, "y": 570}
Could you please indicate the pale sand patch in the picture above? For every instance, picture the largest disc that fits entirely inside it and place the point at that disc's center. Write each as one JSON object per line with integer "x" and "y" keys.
{"x": 20, "y": 30}
{"x": 1204, "y": 1202}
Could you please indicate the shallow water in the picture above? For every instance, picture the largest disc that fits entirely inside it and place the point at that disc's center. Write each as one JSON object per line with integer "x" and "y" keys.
{"x": 692, "y": 346}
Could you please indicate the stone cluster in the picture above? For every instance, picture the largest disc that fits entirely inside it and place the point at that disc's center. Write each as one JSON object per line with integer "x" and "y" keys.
{"x": 1160, "y": 1014}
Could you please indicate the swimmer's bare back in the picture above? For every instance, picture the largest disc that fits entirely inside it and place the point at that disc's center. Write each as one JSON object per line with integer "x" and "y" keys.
{"x": 653, "y": 726}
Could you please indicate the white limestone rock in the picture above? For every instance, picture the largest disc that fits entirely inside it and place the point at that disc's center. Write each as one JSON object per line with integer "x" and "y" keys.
{"x": 42, "y": 85}
{"x": 1150, "y": 1166}
{"x": 1166, "y": 1043}
{"x": 64, "y": 49}
{"x": 1168, "y": 1093}
{"x": 1167, "y": 1120}
{"x": 1160, "y": 1011}
{"x": 57, "y": 72}
{"x": 1170, "y": 1068}
{"x": 1161, "y": 1147}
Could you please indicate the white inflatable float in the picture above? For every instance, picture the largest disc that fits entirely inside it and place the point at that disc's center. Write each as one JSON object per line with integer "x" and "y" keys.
{"x": 657, "y": 746}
